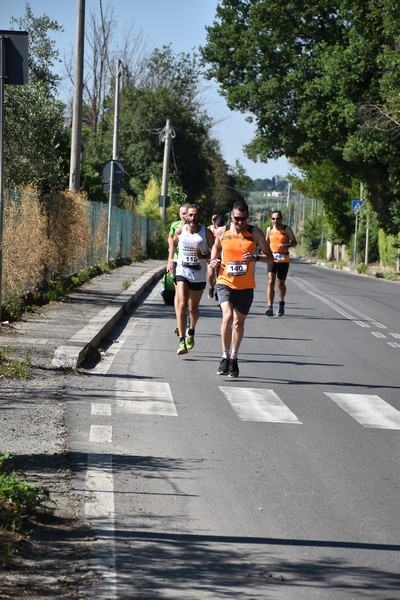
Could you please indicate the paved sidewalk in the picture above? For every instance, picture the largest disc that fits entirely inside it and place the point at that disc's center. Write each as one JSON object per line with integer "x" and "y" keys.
{"x": 60, "y": 334}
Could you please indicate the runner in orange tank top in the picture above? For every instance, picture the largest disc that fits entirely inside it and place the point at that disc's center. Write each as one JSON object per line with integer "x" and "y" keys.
{"x": 234, "y": 251}
{"x": 280, "y": 238}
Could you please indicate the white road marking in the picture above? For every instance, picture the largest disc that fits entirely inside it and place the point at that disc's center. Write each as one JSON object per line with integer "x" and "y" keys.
{"x": 394, "y": 344}
{"x": 395, "y": 335}
{"x": 368, "y": 410}
{"x": 378, "y": 334}
{"x": 362, "y": 324}
{"x": 347, "y": 311}
{"x": 100, "y": 509}
{"x": 100, "y": 434}
{"x": 259, "y": 405}
{"x": 100, "y": 513}
{"x": 101, "y": 409}
{"x": 144, "y": 398}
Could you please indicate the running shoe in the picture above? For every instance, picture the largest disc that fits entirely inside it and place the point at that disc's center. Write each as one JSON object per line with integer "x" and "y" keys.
{"x": 233, "y": 368}
{"x": 189, "y": 341}
{"x": 211, "y": 293}
{"x": 182, "y": 348}
{"x": 281, "y": 309}
{"x": 269, "y": 312}
{"x": 223, "y": 367}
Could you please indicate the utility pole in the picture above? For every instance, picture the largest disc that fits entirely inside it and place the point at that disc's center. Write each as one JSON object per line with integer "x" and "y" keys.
{"x": 113, "y": 194}
{"x": 168, "y": 133}
{"x": 76, "y": 134}
{"x": 288, "y": 201}
{"x": 367, "y": 226}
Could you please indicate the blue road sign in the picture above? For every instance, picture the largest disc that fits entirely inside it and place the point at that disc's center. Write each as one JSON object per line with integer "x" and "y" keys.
{"x": 357, "y": 206}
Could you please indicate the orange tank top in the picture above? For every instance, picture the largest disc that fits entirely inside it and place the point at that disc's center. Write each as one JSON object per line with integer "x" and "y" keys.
{"x": 234, "y": 271}
{"x": 276, "y": 237}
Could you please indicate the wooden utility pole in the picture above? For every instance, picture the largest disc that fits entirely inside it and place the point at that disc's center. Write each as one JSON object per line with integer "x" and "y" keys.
{"x": 76, "y": 135}
{"x": 164, "y": 199}
{"x": 113, "y": 194}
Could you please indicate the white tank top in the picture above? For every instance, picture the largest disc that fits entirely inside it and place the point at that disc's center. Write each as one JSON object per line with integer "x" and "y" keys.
{"x": 188, "y": 265}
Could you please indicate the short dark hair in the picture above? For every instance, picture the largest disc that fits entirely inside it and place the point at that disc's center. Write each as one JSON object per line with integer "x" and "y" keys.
{"x": 276, "y": 211}
{"x": 241, "y": 205}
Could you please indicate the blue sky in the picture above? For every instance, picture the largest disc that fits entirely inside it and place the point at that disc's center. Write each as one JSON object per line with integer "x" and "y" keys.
{"x": 180, "y": 23}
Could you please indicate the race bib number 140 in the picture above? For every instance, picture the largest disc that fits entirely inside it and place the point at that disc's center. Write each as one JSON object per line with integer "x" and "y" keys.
{"x": 236, "y": 268}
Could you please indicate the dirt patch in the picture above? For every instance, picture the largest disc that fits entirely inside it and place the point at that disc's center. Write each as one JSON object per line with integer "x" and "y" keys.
{"x": 52, "y": 558}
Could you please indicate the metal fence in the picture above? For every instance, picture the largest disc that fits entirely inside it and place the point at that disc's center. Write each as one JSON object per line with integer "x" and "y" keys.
{"x": 57, "y": 236}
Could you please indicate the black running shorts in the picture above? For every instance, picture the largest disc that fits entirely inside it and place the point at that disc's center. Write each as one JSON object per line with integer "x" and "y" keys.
{"x": 241, "y": 300}
{"x": 279, "y": 268}
{"x": 192, "y": 285}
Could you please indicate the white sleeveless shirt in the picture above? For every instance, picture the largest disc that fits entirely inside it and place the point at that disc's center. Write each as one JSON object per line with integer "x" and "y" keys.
{"x": 188, "y": 265}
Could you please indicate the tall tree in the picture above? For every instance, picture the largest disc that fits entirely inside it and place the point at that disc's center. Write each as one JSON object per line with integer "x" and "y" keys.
{"x": 34, "y": 137}
{"x": 303, "y": 69}
{"x": 169, "y": 89}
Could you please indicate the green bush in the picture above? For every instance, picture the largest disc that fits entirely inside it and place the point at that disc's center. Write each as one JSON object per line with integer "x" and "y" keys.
{"x": 389, "y": 247}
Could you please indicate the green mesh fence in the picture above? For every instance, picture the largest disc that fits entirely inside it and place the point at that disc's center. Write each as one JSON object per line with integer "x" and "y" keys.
{"x": 129, "y": 235}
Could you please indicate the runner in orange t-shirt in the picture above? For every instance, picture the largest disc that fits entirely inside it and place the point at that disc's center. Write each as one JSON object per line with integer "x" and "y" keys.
{"x": 234, "y": 252}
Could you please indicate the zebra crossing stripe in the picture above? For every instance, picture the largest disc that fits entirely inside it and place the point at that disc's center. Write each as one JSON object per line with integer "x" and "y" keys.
{"x": 259, "y": 405}
{"x": 144, "y": 398}
{"x": 368, "y": 410}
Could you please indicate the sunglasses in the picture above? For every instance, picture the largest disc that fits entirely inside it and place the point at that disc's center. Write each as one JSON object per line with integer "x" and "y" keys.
{"x": 275, "y": 218}
{"x": 239, "y": 219}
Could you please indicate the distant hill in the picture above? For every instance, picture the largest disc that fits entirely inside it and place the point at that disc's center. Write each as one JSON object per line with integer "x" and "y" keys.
{"x": 276, "y": 184}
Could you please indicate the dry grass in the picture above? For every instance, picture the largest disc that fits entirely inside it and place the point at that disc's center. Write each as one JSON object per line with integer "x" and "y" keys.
{"x": 46, "y": 241}
{"x": 69, "y": 233}
{"x": 25, "y": 245}
{"x": 43, "y": 241}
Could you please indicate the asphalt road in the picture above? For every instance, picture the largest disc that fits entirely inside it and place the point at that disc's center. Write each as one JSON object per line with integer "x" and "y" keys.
{"x": 281, "y": 484}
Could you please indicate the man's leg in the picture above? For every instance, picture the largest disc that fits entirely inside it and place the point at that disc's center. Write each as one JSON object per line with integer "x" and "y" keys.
{"x": 271, "y": 289}
{"x": 281, "y": 289}
{"x": 176, "y": 330}
{"x": 182, "y": 296}
{"x": 270, "y": 293}
{"x": 238, "y": 330}
{"x": 282, "y": 273}
{"x": 226, "y": 336}
{"x": 210, "y": 277}
{"x": 237, "y": 336}
{"x": 226, "y": 325}
{"x": 194, "y": 300}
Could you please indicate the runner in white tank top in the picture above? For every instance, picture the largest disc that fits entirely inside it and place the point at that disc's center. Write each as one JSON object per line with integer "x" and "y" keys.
{"x": 195, "y": 242}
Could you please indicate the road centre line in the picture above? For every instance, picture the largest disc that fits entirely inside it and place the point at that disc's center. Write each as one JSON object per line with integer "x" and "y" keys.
{"x": 335, "y": 303}
{"x": 309, "y": 288}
